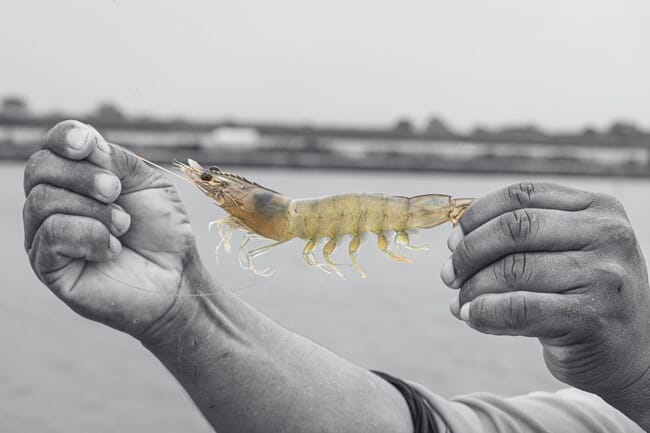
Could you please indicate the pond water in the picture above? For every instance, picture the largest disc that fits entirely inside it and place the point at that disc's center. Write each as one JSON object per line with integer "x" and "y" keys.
{"x": 62, "y": 373}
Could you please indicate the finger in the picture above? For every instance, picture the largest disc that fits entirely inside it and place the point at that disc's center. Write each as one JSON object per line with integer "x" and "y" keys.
{"x": 82, "y": 177}
{"x": 71, "y": 139}
{"x": 63, "y": 238}
{"x": 455, "y": 237}
{"x": 132, "y": 171}
{"x": 518, "y": 231}
{"x": 531, "y": 272}
{"x": 75, "y": 140}
{"x": 524, "y": 195}
{"x": 529, "y": 314}
{"x": 45, "y": 200}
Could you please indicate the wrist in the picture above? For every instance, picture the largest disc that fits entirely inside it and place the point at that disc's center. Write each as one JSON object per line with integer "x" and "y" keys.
{"x": 188, "y": 314}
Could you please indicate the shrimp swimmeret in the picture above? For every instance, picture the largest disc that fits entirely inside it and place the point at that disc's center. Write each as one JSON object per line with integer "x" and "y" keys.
{"x": 266, "y": 214}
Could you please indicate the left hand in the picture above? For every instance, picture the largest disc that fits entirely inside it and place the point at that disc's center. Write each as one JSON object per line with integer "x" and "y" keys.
{"x": 563, "y": 265}
{"x": 105, "y": 232}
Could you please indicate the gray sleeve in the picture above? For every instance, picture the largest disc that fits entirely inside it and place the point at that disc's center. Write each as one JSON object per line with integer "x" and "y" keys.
{"x": 565, "y": 411}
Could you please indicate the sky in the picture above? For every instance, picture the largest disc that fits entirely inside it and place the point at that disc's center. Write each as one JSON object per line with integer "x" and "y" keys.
{"x": 555, "y": 63}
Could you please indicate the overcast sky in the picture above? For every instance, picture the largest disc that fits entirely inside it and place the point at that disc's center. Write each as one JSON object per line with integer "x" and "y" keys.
{"x": 558, "y": 63}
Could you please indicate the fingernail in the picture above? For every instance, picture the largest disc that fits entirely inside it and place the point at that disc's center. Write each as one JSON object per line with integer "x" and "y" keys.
{"x": 107, "y": 185}
{"x": 454, "y": 238}
{"x": 76, "y": 137}
{"x": 447, "y": 273}
{"x": 464, "y": 312}
{"x": 454, "y": 306}
{"x": 120, "y": 220}
{"x": 115, "y": 245}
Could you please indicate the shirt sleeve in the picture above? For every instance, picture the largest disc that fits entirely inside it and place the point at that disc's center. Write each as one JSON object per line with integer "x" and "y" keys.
{"x": 566, "y": 411}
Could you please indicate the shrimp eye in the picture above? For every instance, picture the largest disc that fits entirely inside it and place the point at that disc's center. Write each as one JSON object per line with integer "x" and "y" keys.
{"x": 215, "y": 169}
{"x": 206, "y": 176}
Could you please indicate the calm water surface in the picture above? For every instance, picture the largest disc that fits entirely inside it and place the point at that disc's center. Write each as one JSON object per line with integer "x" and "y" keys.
{"x": 62, "y": 373}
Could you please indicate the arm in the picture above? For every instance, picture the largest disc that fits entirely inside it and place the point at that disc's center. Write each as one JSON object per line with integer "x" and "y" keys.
{"x": 246, "y": 373}
{"x": 562, "y": 265}
{"x": 110, "y": 237}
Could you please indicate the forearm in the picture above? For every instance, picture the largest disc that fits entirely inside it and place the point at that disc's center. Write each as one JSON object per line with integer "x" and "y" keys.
{"x": 246, "y": 373}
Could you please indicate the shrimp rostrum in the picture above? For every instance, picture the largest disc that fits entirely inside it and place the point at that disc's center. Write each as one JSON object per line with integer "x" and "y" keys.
{"x": 266, "y": 214}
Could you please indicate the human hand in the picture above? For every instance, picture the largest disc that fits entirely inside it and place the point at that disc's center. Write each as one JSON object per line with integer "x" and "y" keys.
{"x": 562, "y": 265}
{"x": 104, "y": 231}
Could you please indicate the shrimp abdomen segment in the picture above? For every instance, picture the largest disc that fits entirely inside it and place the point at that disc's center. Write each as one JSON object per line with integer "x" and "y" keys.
{"x": 348, "y": 214}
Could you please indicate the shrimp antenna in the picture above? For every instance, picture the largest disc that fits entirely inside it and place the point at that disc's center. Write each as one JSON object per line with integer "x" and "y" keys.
{"x": 145, "y": 160}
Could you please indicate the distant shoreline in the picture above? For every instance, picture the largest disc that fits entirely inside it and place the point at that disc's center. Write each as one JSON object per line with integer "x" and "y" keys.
{"x": 300, "y": 147}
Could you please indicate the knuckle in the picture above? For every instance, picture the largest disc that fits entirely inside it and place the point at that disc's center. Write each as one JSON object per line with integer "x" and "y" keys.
{"x": 33, "y": 166}
{"x": 610, "y": 202}
{"x": 50, "y": 230}
{"x": 616, "y": 231}
{"x": 610, "y": 275}
{"x": 520, "y": 225}
{"x": 516, "y": 314}
{"x": 482, "y": 314}
{"x": 96, "y": 231}
{"x": 514, "y": 271}
{"x": 37, "y": 200}
{"x": 467, "y": 291}
{"x": 521, "y": 193}
{"x": 462, "y": 257}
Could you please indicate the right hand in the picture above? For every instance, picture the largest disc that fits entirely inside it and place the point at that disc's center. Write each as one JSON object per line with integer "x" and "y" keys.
{"x": 104, "y": 231}
{"x": 563, "y": 265}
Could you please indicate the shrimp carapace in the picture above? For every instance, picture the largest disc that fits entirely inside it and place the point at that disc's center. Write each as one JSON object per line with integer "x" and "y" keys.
{"x": 266, "y": 214}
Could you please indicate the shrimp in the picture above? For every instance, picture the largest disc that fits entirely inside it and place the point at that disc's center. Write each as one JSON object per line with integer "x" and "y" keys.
{"x": 266, "y": 214}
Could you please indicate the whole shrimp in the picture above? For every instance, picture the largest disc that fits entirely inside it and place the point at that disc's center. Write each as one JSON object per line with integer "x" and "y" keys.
{"x": 266, "y": 214}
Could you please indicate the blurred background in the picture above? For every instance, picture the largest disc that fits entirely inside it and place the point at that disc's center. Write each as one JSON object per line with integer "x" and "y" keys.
{"x": 310, "y": 99}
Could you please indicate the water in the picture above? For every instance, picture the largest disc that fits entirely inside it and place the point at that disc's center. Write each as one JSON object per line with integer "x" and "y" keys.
{"x": 62, "y": 373}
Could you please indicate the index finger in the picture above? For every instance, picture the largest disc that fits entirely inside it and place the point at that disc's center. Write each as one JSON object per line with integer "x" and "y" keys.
{"x": 540, "y": 195}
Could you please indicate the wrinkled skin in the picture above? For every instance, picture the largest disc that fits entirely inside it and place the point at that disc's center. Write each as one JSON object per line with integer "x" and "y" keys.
{"x": 563, "y": 265}
{"x": 105, "y": 232}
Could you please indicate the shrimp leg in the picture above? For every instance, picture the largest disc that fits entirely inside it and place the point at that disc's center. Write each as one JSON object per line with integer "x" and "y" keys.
{"x": 244, "y": 242}
{"x": 382, "y": 242}
{"x": 352, "y": 250}
{"x": 308, "y": 255}
{"x": 327, "y": 250}
{"x": 258, "y": 252}
{"x": 243, "y": 260}
{"x": 402, "y": 239}
{"x": 224, "y": 234}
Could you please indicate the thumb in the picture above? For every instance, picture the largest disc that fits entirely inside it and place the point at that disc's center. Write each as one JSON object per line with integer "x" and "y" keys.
{"x": 133, "y": 173}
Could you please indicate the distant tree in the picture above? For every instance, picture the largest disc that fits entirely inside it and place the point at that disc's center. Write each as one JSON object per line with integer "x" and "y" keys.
{"x": 403, "y": 126}
{"x": 437, "y": 126}
{"x": 624, "y": 129}
{"x": 109, "y": 111}
{"x": 481, "y": 132}
{"x": 589, "y": 131}
{"x": 14, "y": 106}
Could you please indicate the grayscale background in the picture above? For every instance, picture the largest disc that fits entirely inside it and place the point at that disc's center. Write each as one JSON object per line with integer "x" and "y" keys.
{"x": 312, "y": 98}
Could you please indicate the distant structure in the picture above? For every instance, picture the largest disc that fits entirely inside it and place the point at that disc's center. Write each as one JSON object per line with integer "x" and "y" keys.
{"x": 109, "y": 112}
{"x": 14, "y": 106}
{"x": 622, "y": 149}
